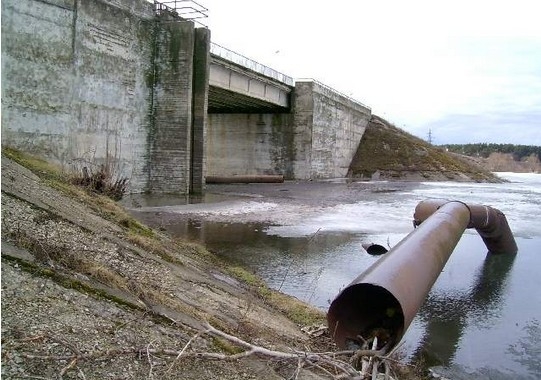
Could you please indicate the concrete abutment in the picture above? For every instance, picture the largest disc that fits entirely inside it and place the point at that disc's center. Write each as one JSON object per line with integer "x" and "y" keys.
{"x": 101, "y": 82}
{"x": 109, "y": 82}
{"x": 317, "y": 139}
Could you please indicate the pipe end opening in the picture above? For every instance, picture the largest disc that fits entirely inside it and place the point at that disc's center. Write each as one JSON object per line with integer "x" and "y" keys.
{"x": 363, "y": 311}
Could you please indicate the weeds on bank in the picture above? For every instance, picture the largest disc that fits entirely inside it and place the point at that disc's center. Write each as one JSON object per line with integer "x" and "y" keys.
{"x": 146, "y": 239}
{"x": 101, "y": 179}
{"x": 299, "y": 312}
{"x": 152, "y": 245}
{"x": 40, "y": 167}
{"x": 67, "y": 281}
{"x": 55, "y": 255}
{"x": 84, "y": 190}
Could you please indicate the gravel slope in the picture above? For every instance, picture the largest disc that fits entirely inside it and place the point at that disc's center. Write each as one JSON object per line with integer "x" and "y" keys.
{"x": 82, "y": 297}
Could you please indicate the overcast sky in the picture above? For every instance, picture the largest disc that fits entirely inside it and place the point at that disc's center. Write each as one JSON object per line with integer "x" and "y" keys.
{"x": 470, "y": 71}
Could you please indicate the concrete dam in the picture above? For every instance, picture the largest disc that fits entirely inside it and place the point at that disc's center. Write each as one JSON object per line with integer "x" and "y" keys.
{"x": 131, "y": 85}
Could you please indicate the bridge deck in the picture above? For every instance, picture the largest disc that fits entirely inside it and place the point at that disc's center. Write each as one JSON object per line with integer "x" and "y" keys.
{"x": 240, "y": 85}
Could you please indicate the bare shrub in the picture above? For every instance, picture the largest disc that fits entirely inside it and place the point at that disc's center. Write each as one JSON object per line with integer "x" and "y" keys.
{"x": 101, "y": 178}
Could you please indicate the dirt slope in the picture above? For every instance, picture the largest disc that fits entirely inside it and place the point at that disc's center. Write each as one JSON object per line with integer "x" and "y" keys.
{"x": 387, "y": 152}
{"x": 89, "y": 293}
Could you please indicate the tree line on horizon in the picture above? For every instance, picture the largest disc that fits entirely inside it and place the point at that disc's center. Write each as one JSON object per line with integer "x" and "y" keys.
{"x": 485, "y": 149}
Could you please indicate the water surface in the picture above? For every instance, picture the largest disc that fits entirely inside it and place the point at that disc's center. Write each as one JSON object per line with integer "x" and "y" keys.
{"x": 483, "y": 314}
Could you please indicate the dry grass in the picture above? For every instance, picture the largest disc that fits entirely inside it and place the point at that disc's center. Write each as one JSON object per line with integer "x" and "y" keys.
{"x": 101, "y": 179}
{"x": 153, "y": 244}
{"x": 394, "y": 152}
{"x": 299, "y": 312}
{"x": 65, "y": 181}
{"x": 61, "y": 256}
{"x": 38, "y": 166}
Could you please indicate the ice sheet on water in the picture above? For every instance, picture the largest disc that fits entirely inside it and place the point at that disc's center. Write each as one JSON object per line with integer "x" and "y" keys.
{"x": 362, "y": 217}
{"x": 519, "y": 199}
{"x": 385, "y": 213}
{"x": 218, "y": 209}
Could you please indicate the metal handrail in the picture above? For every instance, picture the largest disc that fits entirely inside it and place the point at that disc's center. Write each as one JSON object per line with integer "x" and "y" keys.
{"x": 333, "y": 90}
{"x": 176, "y": 8}
{"x": 183, "y": 9}
{"x": 244, "y": 61}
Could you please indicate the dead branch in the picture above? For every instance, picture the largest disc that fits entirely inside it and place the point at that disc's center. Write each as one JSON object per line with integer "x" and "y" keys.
{"x": 62, "y": 342}
{"x": 302, "y": 357}
{"x": 72, "y": 363}
{"x": 184, "y": 349}
{"x": 151, "y": 365}
{"x": 328, "y": 363}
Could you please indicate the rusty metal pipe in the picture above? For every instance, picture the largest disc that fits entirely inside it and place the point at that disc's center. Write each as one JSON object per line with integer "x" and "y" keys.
{"x": 259, "y": 178}
{"x": 490, "y": 223}
{"x": 385, "y": 298}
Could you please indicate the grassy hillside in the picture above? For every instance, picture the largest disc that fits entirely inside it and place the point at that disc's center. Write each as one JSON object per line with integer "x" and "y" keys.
{"x": 387, "y": 152}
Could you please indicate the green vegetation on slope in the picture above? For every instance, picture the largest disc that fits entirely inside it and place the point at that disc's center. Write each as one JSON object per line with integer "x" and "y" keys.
{"x": 390, "y": 152}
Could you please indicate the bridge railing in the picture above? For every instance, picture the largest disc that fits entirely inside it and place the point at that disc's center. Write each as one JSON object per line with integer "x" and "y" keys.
{"x": 182, "y": 9}
{"x": 333, "y": 90}
{"x": 243, "y": 61}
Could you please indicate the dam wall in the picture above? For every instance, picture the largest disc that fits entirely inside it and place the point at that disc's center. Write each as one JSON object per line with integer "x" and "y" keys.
{"x": 328, "y": 129}
{"x": 87, "y": 83}
{"x": 121, "y": 86}
{"x": 250, "y": 144}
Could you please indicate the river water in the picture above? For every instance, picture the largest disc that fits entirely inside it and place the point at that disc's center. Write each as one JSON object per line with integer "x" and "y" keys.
{"x": 482, "y": 318}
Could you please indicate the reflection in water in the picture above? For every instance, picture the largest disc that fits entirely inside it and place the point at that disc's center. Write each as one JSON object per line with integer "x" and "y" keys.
{"x": 488, "y": 290}
{"x": 312, "y": 268}
{"x": 446, "y": 316}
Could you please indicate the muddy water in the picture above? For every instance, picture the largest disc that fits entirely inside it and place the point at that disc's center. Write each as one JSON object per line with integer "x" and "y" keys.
{"x": 482, "y": 318}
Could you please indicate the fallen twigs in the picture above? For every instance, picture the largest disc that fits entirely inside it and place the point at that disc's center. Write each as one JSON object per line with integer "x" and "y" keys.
{"x": 369, "y": 360}
{"x": 334, "y": 365}
{"x": 326, "y": 362}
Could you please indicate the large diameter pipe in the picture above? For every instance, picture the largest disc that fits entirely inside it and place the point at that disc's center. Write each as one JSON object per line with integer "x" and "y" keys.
{"x": 489, "y": 222}
{"x": 385, "y": 298}
{"x": 260, "y": 178}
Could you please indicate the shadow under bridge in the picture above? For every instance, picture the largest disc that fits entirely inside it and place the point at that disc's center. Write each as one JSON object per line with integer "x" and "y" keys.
{"x": 240, "y": 85}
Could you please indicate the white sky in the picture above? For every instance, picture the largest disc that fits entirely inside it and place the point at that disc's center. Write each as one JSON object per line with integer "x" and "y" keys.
{"x": 468, "y": 70}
